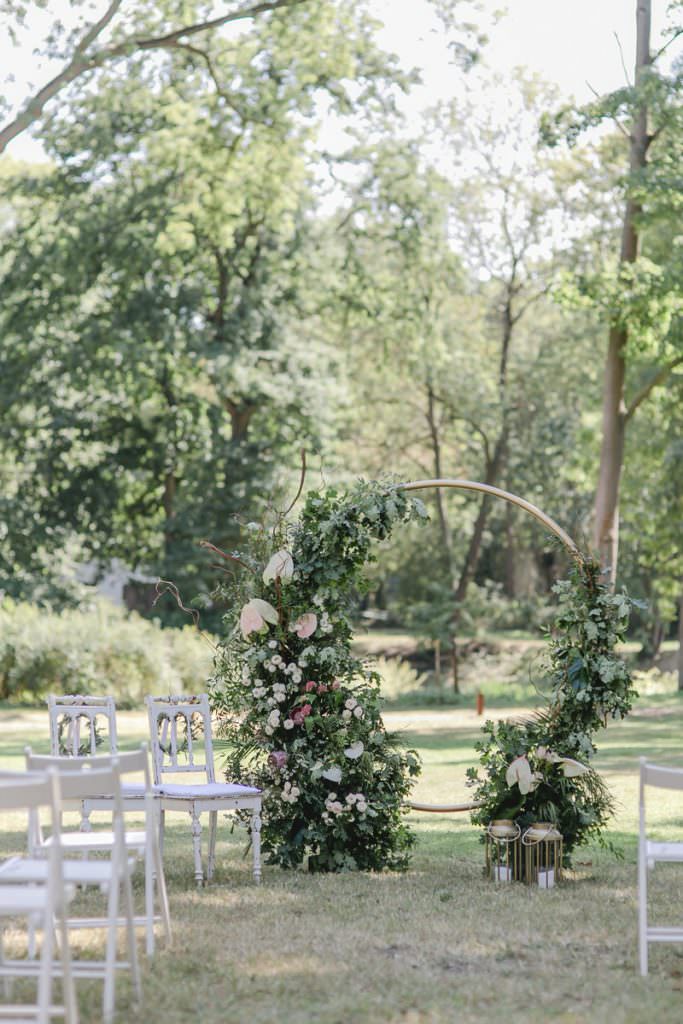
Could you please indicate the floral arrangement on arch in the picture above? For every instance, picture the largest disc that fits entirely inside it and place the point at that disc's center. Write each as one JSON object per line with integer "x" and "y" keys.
{"x": 301, "y": 713}
{"x": 538, "y": 769}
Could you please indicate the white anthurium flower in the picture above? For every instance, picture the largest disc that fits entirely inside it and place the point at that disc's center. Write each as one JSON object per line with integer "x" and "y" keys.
{"x": 519, "y": 771}
{"x": 280, "y": 566}
{"x": 255, "y": 614}
{"x": 572, "y": 768}
{"x": 355, "y": 750}
{"x": 332, "y": 774}
{"x": 545, "y": 754}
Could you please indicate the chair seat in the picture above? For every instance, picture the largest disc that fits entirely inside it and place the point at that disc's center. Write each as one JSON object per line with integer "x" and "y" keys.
{"x": 206, "y": 791}
{"x": 16, "y": 899}
{"x": 664, "y": 851}
{"x": 80, "y": 872}
{"x": 88, "y": 842}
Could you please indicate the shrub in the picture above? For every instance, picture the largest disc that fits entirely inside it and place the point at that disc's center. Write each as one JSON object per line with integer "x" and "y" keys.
{"x": 101, "y": 650}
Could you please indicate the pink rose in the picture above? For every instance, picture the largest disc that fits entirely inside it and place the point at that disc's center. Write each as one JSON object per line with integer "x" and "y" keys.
{"x": 310, "y": 685}
{"x": 299, "y": 714}
{"x": 278, "y": 758}
{"x": 323, "y": 688}
{"x": 336, "y": 685}
{"x": 306, "y": 625}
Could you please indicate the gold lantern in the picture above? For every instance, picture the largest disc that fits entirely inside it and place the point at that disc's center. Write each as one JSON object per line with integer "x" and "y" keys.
{"x": 542, "y": 855}
{"x": 502, "y": 850}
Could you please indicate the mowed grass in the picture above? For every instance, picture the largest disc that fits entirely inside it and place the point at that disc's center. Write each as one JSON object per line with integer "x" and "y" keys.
{"x": 437, "y": 944}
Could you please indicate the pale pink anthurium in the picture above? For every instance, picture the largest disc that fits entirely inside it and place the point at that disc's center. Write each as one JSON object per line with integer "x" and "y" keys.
{"x": 572, "y": 768}
{"x": 280, "y": 567}
{"x": 305, "y": 625}
{"x": 255, "y": 614}
{"x": 519, "y": 771}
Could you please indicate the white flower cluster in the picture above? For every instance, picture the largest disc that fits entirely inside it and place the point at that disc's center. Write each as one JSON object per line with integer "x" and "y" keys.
{"x": 290, "y": 794}
{"x": 334, "y": 807}
{"x": 294, "y": 671}
{"x": 325, "y": 625}
{"x": 272, "y": 722}
{"x": 352, "y": 709}
{"x": 359, "y": 800}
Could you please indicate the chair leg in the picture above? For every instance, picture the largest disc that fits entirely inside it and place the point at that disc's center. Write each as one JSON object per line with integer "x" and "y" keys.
{"x": 642, "y": 912}
{"x": 256, "y": 842}
{"x": 46, "y": 970}
{"x": 149, "y": 903}
{"x": 213, "y": 828}
{"x": 130, "y": 932}
{"x": 162, "y": 824}
{"x": 109, "y": 993}
{"x": 68, "y": 986}
{"x": 160, "y": 882}
{"x": 85, "y": 825}
{"x": 197, "y": 844}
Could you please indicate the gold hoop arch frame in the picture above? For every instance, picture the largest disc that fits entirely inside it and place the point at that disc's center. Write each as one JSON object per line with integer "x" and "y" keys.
{"x": 513, "y": 499}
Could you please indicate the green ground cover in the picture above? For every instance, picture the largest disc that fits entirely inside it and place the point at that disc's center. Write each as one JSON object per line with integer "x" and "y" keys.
{"x": 438, "y": 944}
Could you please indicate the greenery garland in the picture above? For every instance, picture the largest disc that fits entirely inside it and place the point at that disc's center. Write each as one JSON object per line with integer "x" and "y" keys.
{"x": 300, "y": 711}
{"x": 537, "y": 770}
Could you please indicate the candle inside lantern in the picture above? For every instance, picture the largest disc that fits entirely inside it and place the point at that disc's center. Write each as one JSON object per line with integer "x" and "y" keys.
{"x": 546, "y": 879}
{"x": 502, "y": 874}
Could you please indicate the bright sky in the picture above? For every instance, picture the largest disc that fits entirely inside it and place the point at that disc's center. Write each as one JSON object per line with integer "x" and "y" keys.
{"x": 569, "y": 42}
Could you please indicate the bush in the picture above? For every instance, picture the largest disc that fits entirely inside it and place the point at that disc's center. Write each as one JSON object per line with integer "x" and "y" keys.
{"x": 398, "y": 678}
{"x": 102, "y": 650}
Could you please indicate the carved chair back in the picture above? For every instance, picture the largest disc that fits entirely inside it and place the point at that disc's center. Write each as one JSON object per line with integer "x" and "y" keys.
{"x": 75, "y": 724}
{"x": 180, "y": 731}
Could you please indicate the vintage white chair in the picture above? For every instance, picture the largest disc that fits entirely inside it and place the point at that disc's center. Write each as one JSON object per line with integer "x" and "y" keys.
{"x": 110, "y": 874}
{"x": 179, "y": 751}
{"x": 649, "y": 852}
{"x": 78, "y": 726}
{"x": 44, "y": 905}
{"x": 74, "y": 724}
{"x": 142, "y": 843}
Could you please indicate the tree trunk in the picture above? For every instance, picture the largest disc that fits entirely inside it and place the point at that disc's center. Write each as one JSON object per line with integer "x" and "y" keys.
{"x": 170, "y": 486}
{"x": 606, "y": 526}
{"x": 444, "y": 529}
{"x": 680, "y": 640}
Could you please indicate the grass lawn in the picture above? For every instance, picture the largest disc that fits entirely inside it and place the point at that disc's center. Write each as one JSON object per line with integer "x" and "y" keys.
{"x": 437, "y": 944}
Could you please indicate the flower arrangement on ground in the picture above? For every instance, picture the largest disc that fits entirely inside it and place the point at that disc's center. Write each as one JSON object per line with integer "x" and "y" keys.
{"x": 301, "y": 713}
{"x": 537, "y": 769}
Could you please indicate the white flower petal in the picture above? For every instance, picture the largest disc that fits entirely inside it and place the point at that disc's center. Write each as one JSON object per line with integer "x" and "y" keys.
{"x": 355, "y": 750}
{"x": 280, "y": 565}
{"x": 332, "y": 774}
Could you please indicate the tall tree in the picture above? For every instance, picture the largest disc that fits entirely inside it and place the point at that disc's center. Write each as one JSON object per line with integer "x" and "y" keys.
{"x": 85, "y": 47}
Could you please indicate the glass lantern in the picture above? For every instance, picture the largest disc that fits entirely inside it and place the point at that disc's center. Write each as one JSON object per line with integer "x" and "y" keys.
{"x": 542, "y": 845}
{"x": 503, "y": 861}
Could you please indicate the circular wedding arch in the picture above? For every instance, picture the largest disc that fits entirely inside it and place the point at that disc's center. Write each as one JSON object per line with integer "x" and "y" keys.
{"x": 513, "y": 499}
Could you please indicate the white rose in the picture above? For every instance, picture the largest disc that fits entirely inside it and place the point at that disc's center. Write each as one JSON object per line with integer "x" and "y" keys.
{"x": 358, "y": 712}
{"x": 346, "y": 715}
{"x": 288, "y": 723}
{"x": 350, "y": 703}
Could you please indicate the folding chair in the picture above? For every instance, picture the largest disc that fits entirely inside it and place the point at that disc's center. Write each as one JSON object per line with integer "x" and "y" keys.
{"x": 142, "y": 843}
{"x": 649, "y": 852}
{"x": 177, "y": 750}
{"x": 43, "y": 905}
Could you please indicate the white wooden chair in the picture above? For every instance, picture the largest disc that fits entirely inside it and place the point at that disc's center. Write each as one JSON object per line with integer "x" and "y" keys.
{"x": 44, "y": 905}
{"x": 74, "y": 725}
{"x": 143, "y": 843}
{"x": 79, "y": 724}
{"x": 649, "y": 852}
{"x": 178, "y": 750}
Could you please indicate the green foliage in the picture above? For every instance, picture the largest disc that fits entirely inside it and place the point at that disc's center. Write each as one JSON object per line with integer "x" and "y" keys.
{"x": 301, "y": 713}
{"x": 100, "y": 651}
{"x": 590, "y": 685}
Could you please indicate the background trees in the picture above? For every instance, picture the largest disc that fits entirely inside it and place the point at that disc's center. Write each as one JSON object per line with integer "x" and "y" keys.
{"x": 199, "y": 283}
